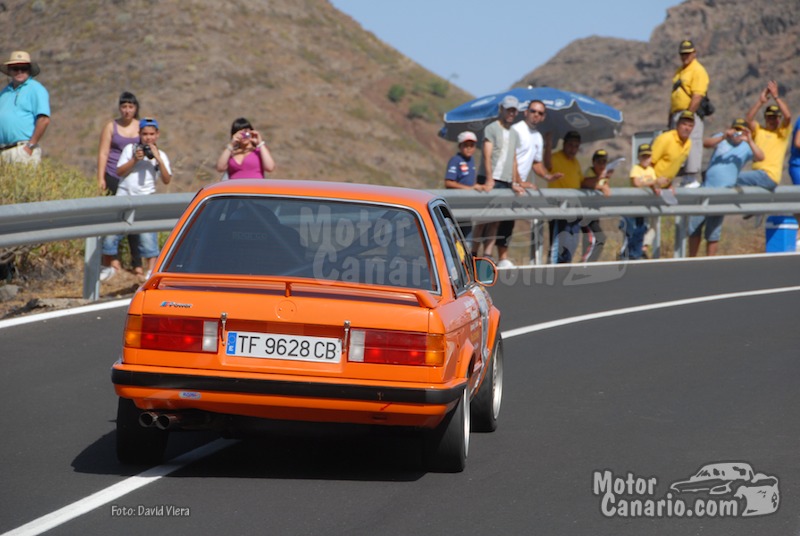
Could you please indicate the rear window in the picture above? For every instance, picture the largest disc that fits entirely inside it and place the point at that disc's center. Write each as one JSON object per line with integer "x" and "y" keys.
{"x": 321, "y": 239}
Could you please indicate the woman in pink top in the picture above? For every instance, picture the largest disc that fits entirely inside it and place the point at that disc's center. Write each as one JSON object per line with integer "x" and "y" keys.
{"x": 246, "y": 156}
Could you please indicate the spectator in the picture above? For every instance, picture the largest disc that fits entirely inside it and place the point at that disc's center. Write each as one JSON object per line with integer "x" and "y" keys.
{"x": 635, "y": 228}
{"x": 770, "y": 139}
{"x": 531, "y": 151}
{"x": 247, "y": 155}
{"x": 460, "y": 172}
{"x": 689, "y": 88}
{"x": 114, "y": 137}
{"x": 595, "y": 178}
{"x": 566, "y": 174}
{"x": 732, "y": 150}
{"x": 499, "y": 170}
{"x": 24, "y": 111}
{"x": 671, "y": 149}
{"x": 794, "y": 155}
{"x": 139, "y": 166}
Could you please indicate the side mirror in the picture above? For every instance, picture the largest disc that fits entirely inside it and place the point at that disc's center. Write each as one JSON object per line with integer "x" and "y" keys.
{"x": 485, "y": 271}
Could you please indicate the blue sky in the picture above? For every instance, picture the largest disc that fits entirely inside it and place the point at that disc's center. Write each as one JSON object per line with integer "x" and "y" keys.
{"x": 484, "y": 47}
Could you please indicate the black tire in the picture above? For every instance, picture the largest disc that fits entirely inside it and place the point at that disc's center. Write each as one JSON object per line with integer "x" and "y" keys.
{"x": 136, "y": 444}
{"x": 485, "y": 407}
{"x": 447, "y": 446}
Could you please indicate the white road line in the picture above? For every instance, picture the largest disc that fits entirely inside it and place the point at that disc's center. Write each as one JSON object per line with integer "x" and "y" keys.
{"x": 63, "y": 312}
{"x": 105, "y": 496}
{"x": 653, "y": 306}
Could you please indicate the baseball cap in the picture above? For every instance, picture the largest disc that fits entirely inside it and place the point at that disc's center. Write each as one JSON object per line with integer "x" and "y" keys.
{"x": 572, "y": 135}
{"x": 148, "y": 122}
{"x": 645, "y": 149}
{"x": 739, "y": 124}
{"x": 600, "y": 153}
{"x": 686, "y": 114}
{"x": 772, "y": 109}
{"x": 467, "y": 136}
{"x": 510, "y": 101}
{"x": 686, "y": 47}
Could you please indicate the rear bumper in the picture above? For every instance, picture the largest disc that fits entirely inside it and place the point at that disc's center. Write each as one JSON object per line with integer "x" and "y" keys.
{"x": 288, "y": 400}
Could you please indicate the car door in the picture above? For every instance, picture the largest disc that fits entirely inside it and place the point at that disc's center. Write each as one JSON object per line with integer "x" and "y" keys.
{"x": 470, "y": 295}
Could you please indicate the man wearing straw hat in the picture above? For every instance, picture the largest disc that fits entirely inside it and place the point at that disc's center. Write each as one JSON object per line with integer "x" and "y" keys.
{"x": 24, "y": 111}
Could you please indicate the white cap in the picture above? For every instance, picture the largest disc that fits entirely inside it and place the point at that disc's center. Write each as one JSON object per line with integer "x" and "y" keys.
{"x": 510, "y": 101}
{"x": 467, "y": 136}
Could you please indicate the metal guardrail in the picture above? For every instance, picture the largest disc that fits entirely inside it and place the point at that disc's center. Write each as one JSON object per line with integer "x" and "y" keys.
{"x": 91, "y": 218}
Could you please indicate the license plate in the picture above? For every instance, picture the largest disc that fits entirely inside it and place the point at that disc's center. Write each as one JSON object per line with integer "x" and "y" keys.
{"x": 278, "y": 346}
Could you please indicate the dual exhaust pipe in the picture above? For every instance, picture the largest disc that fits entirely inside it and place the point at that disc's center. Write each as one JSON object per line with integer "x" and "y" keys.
{"x": 168, "y": 421}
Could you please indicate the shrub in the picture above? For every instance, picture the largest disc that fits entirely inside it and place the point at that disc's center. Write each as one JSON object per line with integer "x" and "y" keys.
{"x": 418, "y": 110}
{"x": 396, "y": 93}
{"x": 439, "y": 88}
{"x": 46, "y": 182}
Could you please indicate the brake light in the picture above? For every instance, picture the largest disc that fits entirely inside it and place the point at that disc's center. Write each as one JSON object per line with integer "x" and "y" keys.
{"x": 396, "y": 347}
{"x": 167, "y": 333}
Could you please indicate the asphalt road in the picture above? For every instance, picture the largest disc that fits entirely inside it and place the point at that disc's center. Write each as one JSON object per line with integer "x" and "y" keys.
{"x": 653, "y": 392}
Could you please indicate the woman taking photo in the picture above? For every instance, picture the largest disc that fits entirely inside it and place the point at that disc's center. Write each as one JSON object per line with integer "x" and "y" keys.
{"x": 246, "y": 156}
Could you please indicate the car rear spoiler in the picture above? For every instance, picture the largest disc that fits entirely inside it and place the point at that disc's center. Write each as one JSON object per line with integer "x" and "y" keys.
{"x": 164, "y": 281}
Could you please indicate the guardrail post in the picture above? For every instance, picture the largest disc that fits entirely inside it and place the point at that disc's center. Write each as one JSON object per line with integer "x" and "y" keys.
{"x": 91, "y": 269}
{"x": 537, "y": 242}
{"x": 679, "y": 247}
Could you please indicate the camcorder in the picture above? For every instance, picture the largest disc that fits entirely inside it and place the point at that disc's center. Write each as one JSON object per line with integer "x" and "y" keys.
{"x": 148, "y": 153}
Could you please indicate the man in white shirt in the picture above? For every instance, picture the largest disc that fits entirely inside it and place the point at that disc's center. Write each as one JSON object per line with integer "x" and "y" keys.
{"x": 532, "y": 150}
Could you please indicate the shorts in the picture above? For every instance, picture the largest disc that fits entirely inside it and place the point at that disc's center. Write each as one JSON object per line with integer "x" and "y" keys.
{"x": 148, "y": 245}
{"x": 712, "y": 225}
{"x": 756, "y": 177}
{"x": 17, "y": 155}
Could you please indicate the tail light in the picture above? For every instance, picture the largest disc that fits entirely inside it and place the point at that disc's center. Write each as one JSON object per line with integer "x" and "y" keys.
{"x": 396, "y": 347}
{"x": 175, "y": 334}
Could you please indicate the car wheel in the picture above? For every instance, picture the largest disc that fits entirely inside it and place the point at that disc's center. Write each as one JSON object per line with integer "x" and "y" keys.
{"x": 485, "y": 407}
{"x": 447, "y": 446}
{"x": 135, "y": 443}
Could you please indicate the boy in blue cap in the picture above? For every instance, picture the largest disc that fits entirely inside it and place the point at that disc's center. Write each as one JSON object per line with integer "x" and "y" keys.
{"x": 139, "y": 167}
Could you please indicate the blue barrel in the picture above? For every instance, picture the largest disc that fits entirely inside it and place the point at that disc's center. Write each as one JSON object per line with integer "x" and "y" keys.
{"x": 781, "y": 234}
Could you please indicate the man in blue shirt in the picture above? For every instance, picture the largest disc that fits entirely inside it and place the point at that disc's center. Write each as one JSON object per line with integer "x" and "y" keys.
{"x": 24, "y": 111}
{"x": 733, "y": 149}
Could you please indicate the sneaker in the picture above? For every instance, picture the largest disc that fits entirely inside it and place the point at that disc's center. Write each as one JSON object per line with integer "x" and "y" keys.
{"x": 148, "y": 274}
{"x": 107, "y": 272}
{"x": 505, "y": 263}
{"x": 691, "y": 184}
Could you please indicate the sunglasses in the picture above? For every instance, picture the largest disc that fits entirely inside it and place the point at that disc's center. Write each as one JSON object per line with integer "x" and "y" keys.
{"x": 535, "y": 112}
{"x": 21, "y": 68}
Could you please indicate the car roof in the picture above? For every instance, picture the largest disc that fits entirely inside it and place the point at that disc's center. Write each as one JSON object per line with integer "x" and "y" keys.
{"x": 411, "y": 197}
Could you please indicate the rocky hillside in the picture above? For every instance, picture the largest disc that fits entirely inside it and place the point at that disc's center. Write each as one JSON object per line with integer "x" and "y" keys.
{"x": 304, "y": 73}
{"x": 741, "y": 44}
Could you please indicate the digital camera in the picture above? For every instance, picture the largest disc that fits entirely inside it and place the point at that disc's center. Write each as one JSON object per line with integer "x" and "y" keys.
{"x": 246, "y": 135}
{"x": 148, "y": 153}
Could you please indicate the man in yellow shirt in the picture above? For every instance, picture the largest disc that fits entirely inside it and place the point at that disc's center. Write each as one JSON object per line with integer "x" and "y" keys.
{"x": 566, "y": 173}
{"x": 771, "y": 139}
{"x": 689, "y": 87}
{"x": 671, "y": 149}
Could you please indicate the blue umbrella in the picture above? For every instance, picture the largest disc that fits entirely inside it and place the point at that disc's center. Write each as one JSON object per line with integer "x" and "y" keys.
{"x": 565, "y": 111}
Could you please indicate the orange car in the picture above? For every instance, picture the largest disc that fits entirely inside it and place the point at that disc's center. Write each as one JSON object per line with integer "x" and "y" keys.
{"x": 316, "y": 302}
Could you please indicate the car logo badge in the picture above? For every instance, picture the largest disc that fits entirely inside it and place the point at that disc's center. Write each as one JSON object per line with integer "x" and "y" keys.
{"x": 176, "y": 304}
